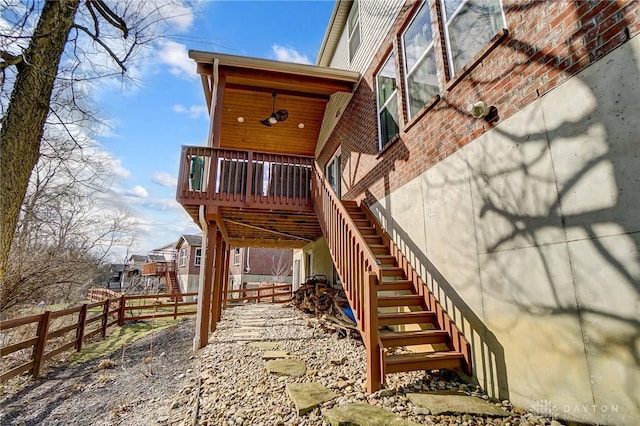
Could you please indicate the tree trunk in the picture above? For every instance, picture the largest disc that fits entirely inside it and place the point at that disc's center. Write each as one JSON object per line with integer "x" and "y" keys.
{"x": 23, "y": 123}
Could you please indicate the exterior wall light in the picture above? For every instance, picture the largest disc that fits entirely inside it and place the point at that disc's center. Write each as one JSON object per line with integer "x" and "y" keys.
{"x": 481, "y": 109}
{"x": 240, "y": 119}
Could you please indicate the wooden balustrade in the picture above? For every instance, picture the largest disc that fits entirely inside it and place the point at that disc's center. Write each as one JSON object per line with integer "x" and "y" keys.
{"x": 241, "y": 178}
{"x": 158, "y": 268}
{"x": 276, "y": 293}
{"x": 356, "y": 265}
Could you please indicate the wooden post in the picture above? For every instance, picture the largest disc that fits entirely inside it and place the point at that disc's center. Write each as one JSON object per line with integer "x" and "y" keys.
{"x": 374, "y": 373}
{"x": 206, "y": 279}
{"x": 123, "y": 304}
{"x": 247, "y": 194}
{"x": 105, "y": 318}
{"x": 82, "y": 318}
{"x": 38, "y": 350}
{"x": 216, "y": 311}
{"x": 258, "y": 296}
{"x": 225, "y": 274}
{"x": 175, "y": 308}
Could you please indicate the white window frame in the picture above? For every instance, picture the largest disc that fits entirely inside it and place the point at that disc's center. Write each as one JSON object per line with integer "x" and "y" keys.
{"x": 353, "y": 30}
{"x": 430, "y": 50}
{"x": 197, "y": 259}
{"x": 236, "y": 256}
{"x": 336, "y": 161}
{"x": 183, "y": 257}
{"x": 446, "y": 22}
{"x": 393, "y": 97}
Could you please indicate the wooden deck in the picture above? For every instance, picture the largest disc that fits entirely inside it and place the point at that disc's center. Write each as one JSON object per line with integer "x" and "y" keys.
{"x": 259, "y": 199}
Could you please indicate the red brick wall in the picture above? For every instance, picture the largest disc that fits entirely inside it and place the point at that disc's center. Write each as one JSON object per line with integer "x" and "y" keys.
{"x": 261, "y": 260}
{"x": 547, "y": 42}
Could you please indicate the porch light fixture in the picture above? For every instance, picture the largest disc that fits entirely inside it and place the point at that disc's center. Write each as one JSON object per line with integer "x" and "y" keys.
{"x": 240, "y": 119}
{"x": 275, "y": 116}
{"x": 481, "y": 109}
{"x": 301, "y": 126}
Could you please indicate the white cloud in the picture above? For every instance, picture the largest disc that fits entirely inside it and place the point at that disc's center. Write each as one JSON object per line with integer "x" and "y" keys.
{"x": 178, "y": 15}
{"x": 137, "y": 192}
{"x": 194, "y": 111}
{"x": 175, "y": 55}
{"x": 164, "y": 179}
{"x": 289, "y": 54}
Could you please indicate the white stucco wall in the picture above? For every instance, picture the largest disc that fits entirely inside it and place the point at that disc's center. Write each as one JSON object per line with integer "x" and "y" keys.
{"x": 530, "y": 236}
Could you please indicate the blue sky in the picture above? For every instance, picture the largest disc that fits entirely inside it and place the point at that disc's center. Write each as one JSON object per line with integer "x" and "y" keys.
{"x": 165, "y": 109}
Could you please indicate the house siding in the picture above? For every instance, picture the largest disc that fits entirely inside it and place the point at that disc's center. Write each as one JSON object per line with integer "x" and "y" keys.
{"x": 527, "y": 230}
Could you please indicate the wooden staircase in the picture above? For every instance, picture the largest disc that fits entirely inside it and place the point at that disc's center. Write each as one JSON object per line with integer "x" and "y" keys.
{"x": 403, "y": 325}
{"x": 172, "y": 282}
{"x": 404, "y": 319}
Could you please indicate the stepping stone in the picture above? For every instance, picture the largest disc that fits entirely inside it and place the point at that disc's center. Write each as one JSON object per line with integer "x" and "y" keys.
{"x": 307, "y": 396}
{"x": 286, "y": 367}
{"x": 361, "y": 414}
{"x": 275, "y": 354}
{"x": 444, "y": 403}
{"x": 265, "y": 346}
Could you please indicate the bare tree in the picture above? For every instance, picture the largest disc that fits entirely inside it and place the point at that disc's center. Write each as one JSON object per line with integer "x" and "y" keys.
{"x": 280, "y": 265}
{"x": 56, "y": 45}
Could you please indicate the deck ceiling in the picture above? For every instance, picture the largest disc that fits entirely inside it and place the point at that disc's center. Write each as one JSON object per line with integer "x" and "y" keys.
{"x": 247, "y": 85}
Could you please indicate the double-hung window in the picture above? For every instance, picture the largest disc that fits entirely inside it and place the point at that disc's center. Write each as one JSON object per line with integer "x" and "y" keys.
{"x": 183, "y": 257}
{"x": 421, "y": 78}
{"x": 469, "y": 26}
{"x": 198, "y": 257}
{"x": 387, "y": 101}
{"x": 332, "y": 173}
{"x": 353, "y": 29}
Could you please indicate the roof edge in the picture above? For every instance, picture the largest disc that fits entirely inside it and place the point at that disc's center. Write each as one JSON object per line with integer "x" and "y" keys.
{"x": 275, "y": 66}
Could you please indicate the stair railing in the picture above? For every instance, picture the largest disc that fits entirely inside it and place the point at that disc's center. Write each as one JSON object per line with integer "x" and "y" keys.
{"x": 356, "y": 266}
{"x": 445, "y": 322}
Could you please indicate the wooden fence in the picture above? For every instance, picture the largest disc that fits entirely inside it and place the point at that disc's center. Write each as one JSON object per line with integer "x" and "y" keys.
{"x": 53, "y": 332}
{"x": 276, "y": 293}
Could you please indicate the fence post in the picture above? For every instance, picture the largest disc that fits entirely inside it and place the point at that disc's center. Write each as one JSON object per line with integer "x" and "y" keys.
{"x": 38, "y": 350}
{"x": 81, "y": 323}
{"x": 105, "y": 317}
{"x": 175, "y": 308}
{"x": 123, "y": 303}
{"x": 258, "y": 296}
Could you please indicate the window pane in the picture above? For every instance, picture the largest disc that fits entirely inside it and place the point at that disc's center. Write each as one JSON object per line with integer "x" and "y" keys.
{"x": 417, "y": 37}
{"x": 386, "y": 81}
{"x": 353, "y": 18}
{"x": 389, "y": 120}
{"x": 422, "y": 84}
{"x": 354, "y": 42}
{"x": 471, "y": 25}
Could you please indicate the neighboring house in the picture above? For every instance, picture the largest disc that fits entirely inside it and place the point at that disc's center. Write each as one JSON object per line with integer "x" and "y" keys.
{"x": 189, "y": 257}
{"x": 158, "y": 262}
{"x": 495, "y": 143}
{"x": 256, "y": 265}
{"x": 115, "y": 276}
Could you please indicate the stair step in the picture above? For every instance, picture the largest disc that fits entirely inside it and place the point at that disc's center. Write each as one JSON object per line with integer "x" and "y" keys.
{"x": 414, "y": 317}
{"x": 411, "y": 338}
{"x": 373, "y": 239}
{"x": 386, "y": 259}
{"x": 392, "y": 271}
{"x": 367, "y": 230}
{"x": 362, "y": 223}
{"x": 422, "y": 361}
{"x": 406, "y": 300}
{"x": 395, "y": 285}
{"x": 378, "y": 249}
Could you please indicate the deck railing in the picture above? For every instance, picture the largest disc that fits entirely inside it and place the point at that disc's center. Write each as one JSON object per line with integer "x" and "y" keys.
{"x": 357, "y": 267}
{"x": 240, "y": 178}
{"x": 158, "y": 268}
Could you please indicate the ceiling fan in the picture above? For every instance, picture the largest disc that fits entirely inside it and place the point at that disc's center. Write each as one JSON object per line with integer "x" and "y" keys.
{"x": 276, "y": 116}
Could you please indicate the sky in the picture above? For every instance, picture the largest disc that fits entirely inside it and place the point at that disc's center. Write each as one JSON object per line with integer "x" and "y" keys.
{"x": 149, "y": 121}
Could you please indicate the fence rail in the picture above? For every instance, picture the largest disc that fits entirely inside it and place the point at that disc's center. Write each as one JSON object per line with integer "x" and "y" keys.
{"x": 53, "y": 329}
{"x": 277, "y": 293}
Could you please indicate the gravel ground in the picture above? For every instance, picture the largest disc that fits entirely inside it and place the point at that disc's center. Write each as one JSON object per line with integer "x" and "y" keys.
{"x": 226, "y": 384}
{"x": 234, "y": 388}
